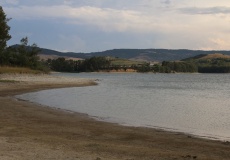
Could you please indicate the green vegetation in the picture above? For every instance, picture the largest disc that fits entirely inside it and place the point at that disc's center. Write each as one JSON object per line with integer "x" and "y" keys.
{"x": 96, "y": 64}
{"x": 7, "y": 81}
{"x": 61, "y": 65}
{"x": 124, "y": 62}
{"x": 214, "y": 63}
{"x": 168, "y": 67}
{"x": 7, "y": 69}
{"x": 18, "y": 56}
{"x": 4, "y": 31}
{"x": 89, "y": 65}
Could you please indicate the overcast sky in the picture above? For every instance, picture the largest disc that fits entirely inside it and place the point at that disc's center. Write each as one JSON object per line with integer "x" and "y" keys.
{"x": 98, "y": 25}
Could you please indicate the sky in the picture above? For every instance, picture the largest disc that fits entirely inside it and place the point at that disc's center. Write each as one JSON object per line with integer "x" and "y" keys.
{"x": 98, "y": 25}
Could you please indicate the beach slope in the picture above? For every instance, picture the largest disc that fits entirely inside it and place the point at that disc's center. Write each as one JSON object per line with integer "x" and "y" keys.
{"x": 30, "y": 131}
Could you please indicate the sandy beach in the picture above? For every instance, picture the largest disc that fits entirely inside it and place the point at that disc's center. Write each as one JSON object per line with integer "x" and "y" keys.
{"x": 31, "y": 131}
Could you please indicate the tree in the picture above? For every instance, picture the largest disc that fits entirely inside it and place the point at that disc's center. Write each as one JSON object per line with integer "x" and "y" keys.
{"x": 27, "y": 55}
{"x": 94, "y": 64}
{"x": 4, "y": 30}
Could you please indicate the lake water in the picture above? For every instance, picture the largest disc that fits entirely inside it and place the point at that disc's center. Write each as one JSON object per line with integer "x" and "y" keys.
{"x": 198, "y": 104}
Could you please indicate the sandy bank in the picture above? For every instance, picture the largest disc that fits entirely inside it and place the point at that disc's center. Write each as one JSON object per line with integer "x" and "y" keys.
{"x": 29, "y": 131}
{"x": 12, "y": 84}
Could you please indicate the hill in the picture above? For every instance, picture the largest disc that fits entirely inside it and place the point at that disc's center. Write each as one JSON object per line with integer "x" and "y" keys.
{"x": 207, "y": 57}
{"x": 216, "y": 56}
{"x": 157, "y": 55}
{"x": 211, "y": 63}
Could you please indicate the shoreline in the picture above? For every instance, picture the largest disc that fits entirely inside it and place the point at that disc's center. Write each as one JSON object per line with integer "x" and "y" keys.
{"x": 32, "y": 131}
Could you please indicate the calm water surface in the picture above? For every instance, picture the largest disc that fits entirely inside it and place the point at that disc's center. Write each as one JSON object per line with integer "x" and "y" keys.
{"x": 197, "y": 104}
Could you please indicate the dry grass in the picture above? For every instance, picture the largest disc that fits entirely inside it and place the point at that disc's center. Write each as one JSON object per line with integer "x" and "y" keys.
{"x": 46, "y": 57}
{"x": 125, "y": 62}
{"x": 6, "y": 69}
{"x": 216, "y": 55}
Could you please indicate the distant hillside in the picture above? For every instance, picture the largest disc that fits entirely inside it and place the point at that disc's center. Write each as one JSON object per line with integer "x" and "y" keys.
{"x": 157, "y": 55}
{"x": 61, "y": 54}
{"x": 46, "y": 57}
{"x": 211, "y": 56}
{"x": 211, "y": 63}
{"x": 216, "y": 56}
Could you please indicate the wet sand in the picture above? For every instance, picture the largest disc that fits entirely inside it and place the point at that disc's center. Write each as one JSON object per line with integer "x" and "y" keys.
{"x": 31, "y": 131}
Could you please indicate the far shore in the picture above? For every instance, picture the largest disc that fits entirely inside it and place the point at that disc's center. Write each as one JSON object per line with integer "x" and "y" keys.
{"x": 31, "y": 131}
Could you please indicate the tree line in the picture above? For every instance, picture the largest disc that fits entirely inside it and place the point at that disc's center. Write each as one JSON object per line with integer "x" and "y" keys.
{"x": 88, "y": 65}
{"x": 96, "y": 64}
{"x": 214, "y": 65}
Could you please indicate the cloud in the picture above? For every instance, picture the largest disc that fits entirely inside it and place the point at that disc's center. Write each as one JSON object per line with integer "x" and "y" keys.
{"x": 11, "y": 2}
{"x": 116, "y": 20}
{"x": 37, "y": 12}
{"x": 107, "y": 19}
{"x": 217, "y": 44}
{"x": 210, "y": 10}
{"x": 167, "y": 2}
{"x": 146, "y": 23}
{"x": 68, "y": 2}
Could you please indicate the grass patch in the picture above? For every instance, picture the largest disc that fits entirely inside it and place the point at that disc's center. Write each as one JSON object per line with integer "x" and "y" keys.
{"x": 125, "y": 62}
{"x": 7, "y": 81}
{"x": 18, "y": 70}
